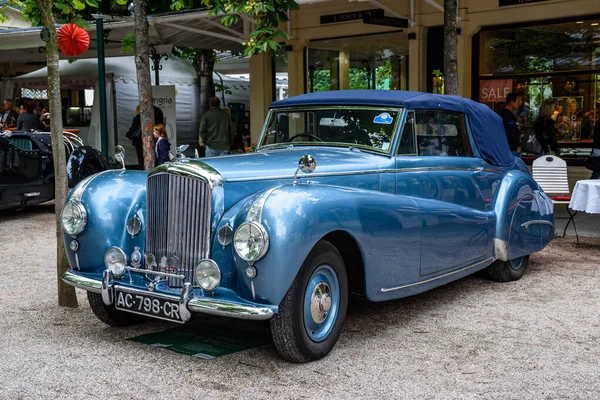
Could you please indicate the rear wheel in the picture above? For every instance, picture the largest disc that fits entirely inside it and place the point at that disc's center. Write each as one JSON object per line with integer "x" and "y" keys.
{"x": 507, "y": 271}
{"x": 312, "y": 312}
{"x": 110, "y": 315}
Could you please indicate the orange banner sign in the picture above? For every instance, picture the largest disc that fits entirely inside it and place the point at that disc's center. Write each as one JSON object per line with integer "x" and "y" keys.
{"x": 494, "y": 90}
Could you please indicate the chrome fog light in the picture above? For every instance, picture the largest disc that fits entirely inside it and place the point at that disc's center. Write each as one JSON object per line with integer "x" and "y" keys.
{"x": 115, "y": 260}
{"x": 73, "y": 217}
{"x": 251, "y": 241}
{"x": 208, "y": 275}
{"x": 134, "y": 226}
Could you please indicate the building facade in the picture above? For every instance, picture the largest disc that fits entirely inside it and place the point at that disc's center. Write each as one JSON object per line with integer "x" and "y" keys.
{"x": 542, "y": 49}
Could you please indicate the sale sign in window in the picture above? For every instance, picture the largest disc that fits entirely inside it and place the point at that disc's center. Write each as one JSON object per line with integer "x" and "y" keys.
{"x": 494, "y": 90}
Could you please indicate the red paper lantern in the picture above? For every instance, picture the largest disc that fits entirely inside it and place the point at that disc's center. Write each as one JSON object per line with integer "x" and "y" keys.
{"x": 72, "y": 40}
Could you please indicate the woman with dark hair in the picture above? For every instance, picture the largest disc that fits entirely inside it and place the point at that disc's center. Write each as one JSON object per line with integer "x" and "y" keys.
{"x": 596, "y": 151}
{"x": 162, "y": 147}
{"x": 544, "y": 129}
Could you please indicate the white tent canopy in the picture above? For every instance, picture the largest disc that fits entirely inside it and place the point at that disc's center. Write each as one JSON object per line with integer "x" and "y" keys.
{"x": 122, "y": 95}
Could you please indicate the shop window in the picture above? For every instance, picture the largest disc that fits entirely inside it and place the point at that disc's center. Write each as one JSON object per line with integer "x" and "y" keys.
{"x": 560, "y": 47}
{"x": 323, "y": 70}
{"x": 545, "y": 62}
{"x": 359, "y": 62}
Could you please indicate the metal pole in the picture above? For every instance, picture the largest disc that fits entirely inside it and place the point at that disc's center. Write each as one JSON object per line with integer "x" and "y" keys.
{"x": 102, "y": 87}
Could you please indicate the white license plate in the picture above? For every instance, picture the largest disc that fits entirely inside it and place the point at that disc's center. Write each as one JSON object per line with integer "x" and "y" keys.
{"x": 152, "y": 306}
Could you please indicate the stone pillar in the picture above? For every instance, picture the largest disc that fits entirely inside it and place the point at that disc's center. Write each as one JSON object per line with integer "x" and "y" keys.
{"x": 295, "y": 66}
{"x": 465, "y": 58}
{"x": 417, "y": 58}
{"x": 261, "y": 92}
{"x": 344, "y": 69}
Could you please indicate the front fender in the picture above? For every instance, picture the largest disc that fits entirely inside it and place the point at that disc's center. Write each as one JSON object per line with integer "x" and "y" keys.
{"x": 110, "y": 199}
{"x": 385, "y": 227}
{"x": 85, "y": 161}
{"x": 525, "y": 217}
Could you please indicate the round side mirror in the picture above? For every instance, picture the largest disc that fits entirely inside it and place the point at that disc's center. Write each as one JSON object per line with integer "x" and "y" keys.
{"x": 307, "y": 164}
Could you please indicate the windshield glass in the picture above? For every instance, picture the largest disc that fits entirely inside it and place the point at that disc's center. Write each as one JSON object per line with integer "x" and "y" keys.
{"x": 368, "y": 128}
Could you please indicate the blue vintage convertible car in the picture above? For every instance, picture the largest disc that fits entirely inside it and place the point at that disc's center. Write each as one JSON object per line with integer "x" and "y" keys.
{"x": 385, "y": 193}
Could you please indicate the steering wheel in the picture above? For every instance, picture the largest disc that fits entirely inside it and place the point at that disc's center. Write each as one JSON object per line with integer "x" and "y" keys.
{"x": 307, "y": 135}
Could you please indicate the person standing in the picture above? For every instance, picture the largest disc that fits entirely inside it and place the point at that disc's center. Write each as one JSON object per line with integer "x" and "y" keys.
{"x": 8, "y": 118}
{"x": 135, "y": 133}
{"x": 162, "y": 147}
{"x": 544, "y": 129}
{"x": 27, "y": 120}
{"x": 216, "y": 129}
{"x": 596, "y": 150}
{"x": 510, "y": 123}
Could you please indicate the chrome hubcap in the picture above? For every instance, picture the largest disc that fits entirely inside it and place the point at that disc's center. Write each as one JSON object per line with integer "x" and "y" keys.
{"x": 320, "y": 302}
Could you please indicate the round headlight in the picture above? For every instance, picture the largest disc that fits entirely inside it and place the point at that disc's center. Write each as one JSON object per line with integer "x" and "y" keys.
{"x": 73, "y": 217}
{"x": 208, "y": 275}
{"x": 134, "y": 225}
{"x": 251, "y": 241}
{"x": 115, "y": 260}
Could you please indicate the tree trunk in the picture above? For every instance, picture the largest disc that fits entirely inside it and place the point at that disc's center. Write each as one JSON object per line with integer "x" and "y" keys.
{"x": 142, "y": 56}
{"x": 450, "y": 45}
{"x": 204, "y": 63}
{"x": 66, "y": 293}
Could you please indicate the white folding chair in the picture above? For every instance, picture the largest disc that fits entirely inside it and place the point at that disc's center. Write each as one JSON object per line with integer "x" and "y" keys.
{"x": 550, "y": 172}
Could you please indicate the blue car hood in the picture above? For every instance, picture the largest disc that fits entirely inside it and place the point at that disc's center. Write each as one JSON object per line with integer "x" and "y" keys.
{"x": 276, "y": 164}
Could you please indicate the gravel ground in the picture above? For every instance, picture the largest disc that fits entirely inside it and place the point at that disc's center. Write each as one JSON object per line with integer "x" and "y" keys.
{"x": 537, "y": 338}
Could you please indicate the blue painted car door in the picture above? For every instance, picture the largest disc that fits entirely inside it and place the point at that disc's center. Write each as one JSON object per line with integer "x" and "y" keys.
{"x": 435, "y": 167}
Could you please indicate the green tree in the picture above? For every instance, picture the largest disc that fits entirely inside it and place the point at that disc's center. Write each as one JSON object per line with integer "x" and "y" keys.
{"x": 267, "y": 15}
{"x": 47, "y": 13}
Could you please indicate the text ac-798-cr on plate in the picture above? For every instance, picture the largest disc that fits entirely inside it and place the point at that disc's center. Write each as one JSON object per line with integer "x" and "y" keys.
{"x": 156, "y": 307}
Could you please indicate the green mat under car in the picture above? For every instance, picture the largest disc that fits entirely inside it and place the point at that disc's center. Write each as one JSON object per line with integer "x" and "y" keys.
{"x": 209, "y": 338}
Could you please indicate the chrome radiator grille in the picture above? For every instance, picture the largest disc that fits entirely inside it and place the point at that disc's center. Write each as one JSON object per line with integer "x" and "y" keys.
{"x": 178, "y": 223}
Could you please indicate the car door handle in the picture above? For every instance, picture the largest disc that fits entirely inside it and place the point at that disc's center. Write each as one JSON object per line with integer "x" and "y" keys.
{"x": 479, "y": 170}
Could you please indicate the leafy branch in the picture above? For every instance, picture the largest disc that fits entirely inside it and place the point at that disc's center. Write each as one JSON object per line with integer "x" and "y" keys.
{"x": 267, "y": 14}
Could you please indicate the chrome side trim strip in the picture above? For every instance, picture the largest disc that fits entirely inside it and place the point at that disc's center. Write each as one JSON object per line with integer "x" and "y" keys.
{"x": 370, "y": 171}
{"x": 80, "y": 282}
{"x": 501, "y": 249}
{"x": 536, "y": 222}
{"x": 384, "y": 290}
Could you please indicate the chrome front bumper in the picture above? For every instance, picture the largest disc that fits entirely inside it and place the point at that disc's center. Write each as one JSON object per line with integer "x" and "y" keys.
{"x": 187, "y": 303}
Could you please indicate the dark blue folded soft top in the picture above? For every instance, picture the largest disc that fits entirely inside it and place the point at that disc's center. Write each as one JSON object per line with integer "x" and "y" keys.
{"x": 486, "y": 125}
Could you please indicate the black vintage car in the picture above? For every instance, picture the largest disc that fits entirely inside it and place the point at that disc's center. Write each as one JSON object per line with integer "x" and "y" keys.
{"x": 27, "y": 167}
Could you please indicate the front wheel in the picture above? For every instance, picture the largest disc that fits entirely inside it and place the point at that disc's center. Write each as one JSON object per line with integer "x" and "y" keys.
{"x": 312, "y": 313}
{"x": 507, "y": 271}
{"x": 110, "y": 315}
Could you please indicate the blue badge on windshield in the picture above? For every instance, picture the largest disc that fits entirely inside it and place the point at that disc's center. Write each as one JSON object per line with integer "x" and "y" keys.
{"x": 383, "y": 118}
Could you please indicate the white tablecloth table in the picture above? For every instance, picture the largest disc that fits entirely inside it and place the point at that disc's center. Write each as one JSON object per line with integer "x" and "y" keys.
{"x": 586, "y": 196}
